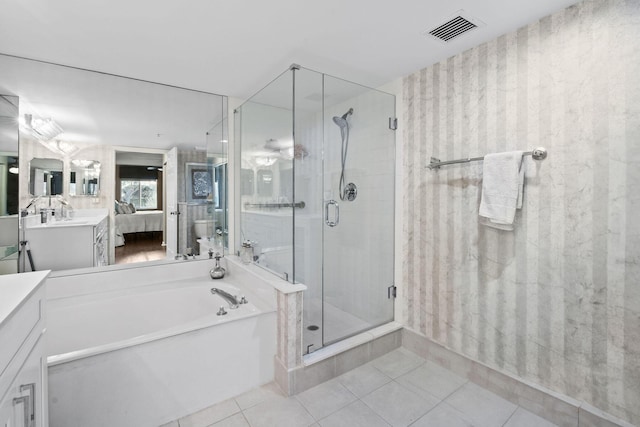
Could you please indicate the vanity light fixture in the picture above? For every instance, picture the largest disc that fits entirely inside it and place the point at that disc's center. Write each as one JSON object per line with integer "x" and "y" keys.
{"x": 42, "y": 129}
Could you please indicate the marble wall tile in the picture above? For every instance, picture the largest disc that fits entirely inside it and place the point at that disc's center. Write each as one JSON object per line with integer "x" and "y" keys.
{"x": 556, "y": 301}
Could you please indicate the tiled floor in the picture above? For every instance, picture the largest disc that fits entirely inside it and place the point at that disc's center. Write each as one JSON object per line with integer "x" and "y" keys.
{"x": 397, "y": 389}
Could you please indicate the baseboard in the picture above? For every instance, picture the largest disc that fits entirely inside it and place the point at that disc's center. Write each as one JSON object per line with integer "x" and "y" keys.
{"x": 555, "y": 407}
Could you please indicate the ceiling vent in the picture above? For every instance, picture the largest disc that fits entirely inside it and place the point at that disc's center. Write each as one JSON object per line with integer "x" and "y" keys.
{"x": 460, "y": 23}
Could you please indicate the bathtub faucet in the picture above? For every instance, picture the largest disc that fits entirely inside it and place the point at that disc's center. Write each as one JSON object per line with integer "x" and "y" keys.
{"x": 232, "y": 300}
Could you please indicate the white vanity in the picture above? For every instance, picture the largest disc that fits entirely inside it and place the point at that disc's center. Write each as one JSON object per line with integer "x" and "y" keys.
{"x": 23, "y": 364}
{"x": 71, "y": 243}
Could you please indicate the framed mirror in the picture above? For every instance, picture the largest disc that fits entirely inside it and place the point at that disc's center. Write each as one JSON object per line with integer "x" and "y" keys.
{"x": 68, "y": 114}
{"x": 84, "y": 178}
{"x": 45, "y": 177}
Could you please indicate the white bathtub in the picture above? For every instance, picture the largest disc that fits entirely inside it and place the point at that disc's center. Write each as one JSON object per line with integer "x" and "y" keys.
{"x": 145, "y": 356}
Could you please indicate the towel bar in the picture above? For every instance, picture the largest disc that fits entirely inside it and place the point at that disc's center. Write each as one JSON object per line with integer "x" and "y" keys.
{"x": 539, "y": 153}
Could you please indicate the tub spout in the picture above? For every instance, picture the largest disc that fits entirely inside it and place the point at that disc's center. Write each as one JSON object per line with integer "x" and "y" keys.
{"x": 232, "y": 300}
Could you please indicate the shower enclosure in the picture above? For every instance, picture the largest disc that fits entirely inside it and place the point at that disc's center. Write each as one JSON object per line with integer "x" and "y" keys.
{"x": 315, "y": 197}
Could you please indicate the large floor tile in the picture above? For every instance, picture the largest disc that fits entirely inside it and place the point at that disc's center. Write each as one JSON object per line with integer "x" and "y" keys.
{"x": 397, "y": 363}
{"x": 363, "y": 380}
{"x": 524, "y": 418}
{"x": 397, "y": 405}
{"x": 443, "y": 415}
{"x": 356, "y": 414}
{"x": 237, "y": 420}
{"x": 258, "y": 395}
{"x": 434, "y": 379}
{"x": 480, "y": 406}
{"x": 210, "y": 415}
{"x": 282, "y": 413}
{"x": 326, "y": 398}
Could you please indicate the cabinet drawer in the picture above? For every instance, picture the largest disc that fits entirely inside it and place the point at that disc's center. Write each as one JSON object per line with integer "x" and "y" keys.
{"x": 15, "y": 332}
{"x": 31, "y": 372}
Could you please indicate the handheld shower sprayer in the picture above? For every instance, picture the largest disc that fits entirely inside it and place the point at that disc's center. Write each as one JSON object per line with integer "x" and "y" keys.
{"x": 342, "y": 121}
{"x": 343, "y": 124}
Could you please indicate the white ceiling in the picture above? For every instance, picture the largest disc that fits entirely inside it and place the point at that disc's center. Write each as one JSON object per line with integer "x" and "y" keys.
{"x": 235, "y": 47}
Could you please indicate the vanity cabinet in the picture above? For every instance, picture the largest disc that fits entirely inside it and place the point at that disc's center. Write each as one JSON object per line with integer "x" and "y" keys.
{"x": 23, "y": 362}
{"x": 62, "y": 245}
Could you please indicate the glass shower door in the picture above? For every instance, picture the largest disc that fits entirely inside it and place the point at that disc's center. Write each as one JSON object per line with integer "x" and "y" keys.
{"x": 358, "y": 213}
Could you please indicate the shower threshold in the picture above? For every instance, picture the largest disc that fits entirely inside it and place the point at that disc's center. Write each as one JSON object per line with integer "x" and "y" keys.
{"x": 349, "y": 343}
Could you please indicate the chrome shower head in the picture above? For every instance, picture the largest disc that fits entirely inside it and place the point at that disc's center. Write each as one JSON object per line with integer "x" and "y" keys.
{"x": 342, "y": 121}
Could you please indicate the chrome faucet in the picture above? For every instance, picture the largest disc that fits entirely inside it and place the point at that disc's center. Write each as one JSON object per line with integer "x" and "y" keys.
{"x": 232, "y": 300}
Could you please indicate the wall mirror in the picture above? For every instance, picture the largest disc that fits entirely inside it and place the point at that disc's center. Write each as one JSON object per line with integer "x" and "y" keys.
{"x": 122, "y": 125}
{"x": 8, "y": 184}
{"x": 45, "y": 177}
{"x": 84, "y": 177}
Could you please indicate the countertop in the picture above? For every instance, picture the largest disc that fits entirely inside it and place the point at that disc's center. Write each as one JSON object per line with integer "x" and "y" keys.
{"x": 15, "y": 288}
{"x": 33, "y": 222}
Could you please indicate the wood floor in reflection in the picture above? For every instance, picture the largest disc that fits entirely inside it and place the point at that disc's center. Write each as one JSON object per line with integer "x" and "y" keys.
{"x": 140, "y": 247}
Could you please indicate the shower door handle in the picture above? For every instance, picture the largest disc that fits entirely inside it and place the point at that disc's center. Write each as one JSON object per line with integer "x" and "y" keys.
{"x": 337, "y": 213}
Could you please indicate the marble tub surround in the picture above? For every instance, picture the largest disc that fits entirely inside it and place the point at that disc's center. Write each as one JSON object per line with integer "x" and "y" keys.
{"x": 556, "y": 302}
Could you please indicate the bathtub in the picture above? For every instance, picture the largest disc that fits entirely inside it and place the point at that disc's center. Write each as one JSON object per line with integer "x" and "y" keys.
{"x": 147, "y": 355}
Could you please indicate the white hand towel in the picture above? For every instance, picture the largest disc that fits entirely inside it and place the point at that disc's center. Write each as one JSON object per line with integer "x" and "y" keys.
{"x": 502, "y": 189}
